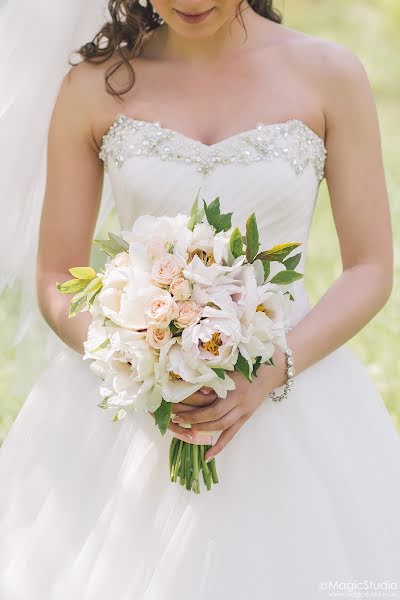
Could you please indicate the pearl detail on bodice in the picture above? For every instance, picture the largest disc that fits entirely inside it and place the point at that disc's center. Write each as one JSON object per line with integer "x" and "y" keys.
{"x": 291, "y": 140}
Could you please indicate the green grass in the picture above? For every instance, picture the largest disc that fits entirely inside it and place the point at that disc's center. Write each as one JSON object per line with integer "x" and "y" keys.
{"x": 370, "y": 29}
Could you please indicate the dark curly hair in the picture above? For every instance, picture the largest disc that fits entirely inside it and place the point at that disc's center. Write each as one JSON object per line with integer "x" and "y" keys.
{"x": 126, "y": 32}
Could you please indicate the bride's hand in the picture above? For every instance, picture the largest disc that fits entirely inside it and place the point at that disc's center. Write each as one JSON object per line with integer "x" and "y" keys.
{"x": 228, "y": 414}
{"x": 203, "y": 397}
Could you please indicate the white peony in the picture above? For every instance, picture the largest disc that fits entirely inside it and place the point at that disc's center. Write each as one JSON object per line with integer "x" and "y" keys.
{"x": 214, "y": 340}
{"x": 181, "y": 375}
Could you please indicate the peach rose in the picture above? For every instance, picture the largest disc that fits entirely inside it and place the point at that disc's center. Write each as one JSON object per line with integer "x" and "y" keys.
{"x": 165, "y": 269}
{"x": 180, "y": 288}
{"x": 161, "y": 310}
{"x": 188, "y": 313}
{"x": 158, "y": 336}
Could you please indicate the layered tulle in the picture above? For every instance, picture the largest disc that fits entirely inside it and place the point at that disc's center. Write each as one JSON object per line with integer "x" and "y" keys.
{"x": 309, "y": 492}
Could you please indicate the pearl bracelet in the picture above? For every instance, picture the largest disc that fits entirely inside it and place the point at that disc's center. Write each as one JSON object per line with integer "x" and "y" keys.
{"x": 289, "y": 375}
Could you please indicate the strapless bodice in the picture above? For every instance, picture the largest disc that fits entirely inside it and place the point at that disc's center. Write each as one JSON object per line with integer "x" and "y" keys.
{"x": 273, "y": 170}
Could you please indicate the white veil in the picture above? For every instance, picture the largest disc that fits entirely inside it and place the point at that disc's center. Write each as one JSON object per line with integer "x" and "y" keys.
{"x": 36, "y": 40}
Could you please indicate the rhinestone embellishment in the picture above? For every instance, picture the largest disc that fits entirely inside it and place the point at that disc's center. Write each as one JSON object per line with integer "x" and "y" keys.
{"x": 292, "y": 140}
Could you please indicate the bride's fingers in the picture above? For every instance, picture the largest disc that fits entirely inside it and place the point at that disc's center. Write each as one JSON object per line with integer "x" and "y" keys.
{"x": 214, "y": 411}
{"x": 224, "y": 438}
{"x": 219, "y": 424}
{"x": 198, "y": 399}
{"x": 186, "y": 434}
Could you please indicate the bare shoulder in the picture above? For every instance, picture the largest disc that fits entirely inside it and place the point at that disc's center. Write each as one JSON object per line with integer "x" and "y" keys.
{"x": 337, "y": 72}
{"x": 83, "y": 96}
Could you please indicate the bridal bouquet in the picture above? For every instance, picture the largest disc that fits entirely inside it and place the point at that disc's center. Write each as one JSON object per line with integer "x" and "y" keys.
{"x": 180, "y": 303}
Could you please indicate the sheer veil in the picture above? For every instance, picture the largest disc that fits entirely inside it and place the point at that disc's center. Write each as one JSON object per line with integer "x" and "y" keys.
{"x": 36, "y": 40}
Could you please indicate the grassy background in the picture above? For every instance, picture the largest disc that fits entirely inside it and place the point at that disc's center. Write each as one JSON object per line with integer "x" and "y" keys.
{"x": 370, "y": 28}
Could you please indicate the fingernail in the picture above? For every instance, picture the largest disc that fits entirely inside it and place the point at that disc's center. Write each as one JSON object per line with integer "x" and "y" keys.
{"x": 189, "y": 436}
{"x": 178, "y": 420}
{"x": 209, "y": 458}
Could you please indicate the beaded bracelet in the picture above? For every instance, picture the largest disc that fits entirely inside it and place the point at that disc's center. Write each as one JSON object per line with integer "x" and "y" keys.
{"x": 289, "y": 381}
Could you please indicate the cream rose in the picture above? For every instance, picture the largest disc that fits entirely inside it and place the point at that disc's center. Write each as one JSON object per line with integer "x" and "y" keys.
{"x": 161, "y": 310}
{"x": 180, "y": 288}
{"x": 166, "y": 268}
{"x": 188, "y": 313}
{"x": 158, "y": 336}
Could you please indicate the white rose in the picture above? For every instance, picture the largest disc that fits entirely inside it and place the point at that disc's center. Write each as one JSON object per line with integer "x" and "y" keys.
{"x": 158, "y": 336}
{"x": 188, "y": 313}
{"x": 180, "y": 288}
{"x": 161, "y": 309}
{"x": 166, "y": 268}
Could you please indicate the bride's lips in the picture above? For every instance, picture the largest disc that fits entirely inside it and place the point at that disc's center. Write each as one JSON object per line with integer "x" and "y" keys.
{"x": 194, "y": 18}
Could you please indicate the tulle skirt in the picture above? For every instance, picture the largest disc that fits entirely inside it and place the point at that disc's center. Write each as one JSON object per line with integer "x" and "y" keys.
{"x": 309, "y": 497}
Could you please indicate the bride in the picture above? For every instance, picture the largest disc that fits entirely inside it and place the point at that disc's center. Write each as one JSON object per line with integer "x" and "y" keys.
{"x": 222, "y": 95}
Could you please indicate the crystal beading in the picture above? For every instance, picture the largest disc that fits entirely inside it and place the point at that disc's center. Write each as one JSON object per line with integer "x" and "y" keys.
{"x": 292, "y": 140}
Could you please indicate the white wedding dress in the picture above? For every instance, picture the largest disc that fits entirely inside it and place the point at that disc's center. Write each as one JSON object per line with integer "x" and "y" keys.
{"x": 309, "y": 489}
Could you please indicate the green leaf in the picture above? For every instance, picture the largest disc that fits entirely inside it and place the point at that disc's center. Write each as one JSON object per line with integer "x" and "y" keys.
{"x": 163, "y": 415}
{"x": 221, "y": 222}
{"x": 92, "y": 296}
{"x": 269, "y": 362}
{"x": 278, "y": 252}
{"x": 236, "y": 243}
{"x": 107, "y": 247}
{"x": 103, "y": 403}
{"x": 285, "y": 277}
{"x": 292, "y": 262}
{"x": 256, "y": 365}
{"x": 76, "y": 306}
{"x": 267, "y": 268}
{"x": 196, "y": 214}
{"x": 290, "y": 296}
{"x": 219, "y": 372}
{"x": 252, "y": 237}
{"x": 101, "y": 346}
{"x": 94, "y": 284}
{"x": 72, "y": 286}
{"x": 119, "y": 242}
{"x": 243, "y": 367}
{"x": 83, "y": 273}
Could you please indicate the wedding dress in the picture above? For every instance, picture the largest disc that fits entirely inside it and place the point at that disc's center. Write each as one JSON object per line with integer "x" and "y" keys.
{"x": 309, "y": 489}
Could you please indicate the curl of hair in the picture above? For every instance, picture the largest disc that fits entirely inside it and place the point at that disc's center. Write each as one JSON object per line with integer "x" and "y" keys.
{"x": 126, "y": 33}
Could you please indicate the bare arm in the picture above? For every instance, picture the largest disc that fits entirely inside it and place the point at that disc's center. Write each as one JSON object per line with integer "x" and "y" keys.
{"x": 71, "y": 204}
{"x": 360, "y": 208}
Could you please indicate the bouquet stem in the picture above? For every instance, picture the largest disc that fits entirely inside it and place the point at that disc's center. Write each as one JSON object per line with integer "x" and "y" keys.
{"x": 186, "y": 462}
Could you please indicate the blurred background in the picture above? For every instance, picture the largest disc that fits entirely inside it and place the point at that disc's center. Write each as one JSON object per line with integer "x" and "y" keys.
{"x": 371, "y": 29}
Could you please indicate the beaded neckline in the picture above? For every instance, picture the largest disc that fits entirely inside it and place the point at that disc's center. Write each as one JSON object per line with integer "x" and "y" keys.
{"x": 245, "y": 147}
